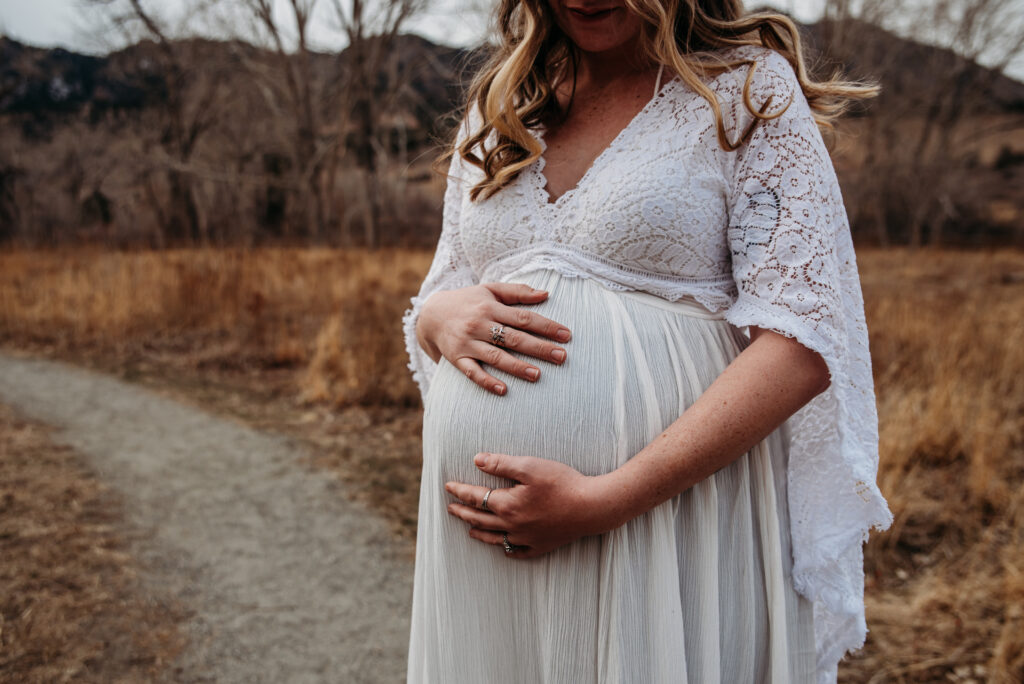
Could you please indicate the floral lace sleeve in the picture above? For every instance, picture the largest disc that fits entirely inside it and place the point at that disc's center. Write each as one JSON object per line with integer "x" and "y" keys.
{"x": 449, "y": 270}
{"x": 795, "y": 272}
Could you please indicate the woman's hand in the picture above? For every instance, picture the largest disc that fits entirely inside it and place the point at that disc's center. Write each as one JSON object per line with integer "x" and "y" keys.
{"x": 551, "y": 505}
{"x": 456, "y": 324}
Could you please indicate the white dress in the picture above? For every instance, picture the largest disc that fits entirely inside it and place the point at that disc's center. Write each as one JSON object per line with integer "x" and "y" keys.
{"x": 659, "y": 258}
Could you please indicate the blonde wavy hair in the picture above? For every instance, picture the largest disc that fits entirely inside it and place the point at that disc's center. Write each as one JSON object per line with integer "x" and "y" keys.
{"x": 515, "y": 89}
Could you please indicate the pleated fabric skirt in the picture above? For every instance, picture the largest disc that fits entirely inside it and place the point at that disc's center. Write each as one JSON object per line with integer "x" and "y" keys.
{"x": 696, "y": 590}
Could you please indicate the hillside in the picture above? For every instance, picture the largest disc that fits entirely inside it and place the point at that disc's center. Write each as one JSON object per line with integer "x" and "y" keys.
{"x": 43, "y": 81}
{"x": 907, "y": 70}
{"x": 42, "y": 84}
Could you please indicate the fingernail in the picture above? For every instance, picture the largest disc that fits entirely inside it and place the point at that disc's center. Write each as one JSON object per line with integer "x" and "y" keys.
{"x": 532, "y": 373}
{"x": 563, "y": 335}
{"x": 558, "y": 355}
{"x": 448, "y": 487}
{"x": 499, "y": 388}
{"x": 450, "y": 508}
{"x": 481, "y": 460}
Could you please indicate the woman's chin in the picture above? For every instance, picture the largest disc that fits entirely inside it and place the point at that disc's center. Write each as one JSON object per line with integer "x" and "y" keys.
{"x": 600, "y": 31}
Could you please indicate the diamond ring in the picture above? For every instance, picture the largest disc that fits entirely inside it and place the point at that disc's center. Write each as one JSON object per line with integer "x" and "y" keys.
{"x": 497, "y": 334}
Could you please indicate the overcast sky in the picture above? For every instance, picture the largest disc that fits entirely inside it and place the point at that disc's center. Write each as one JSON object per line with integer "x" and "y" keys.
{"x": 63, "y": 22}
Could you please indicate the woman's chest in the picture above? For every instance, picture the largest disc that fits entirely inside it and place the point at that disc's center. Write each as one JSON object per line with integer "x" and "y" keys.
{"x": 655, "y": 200}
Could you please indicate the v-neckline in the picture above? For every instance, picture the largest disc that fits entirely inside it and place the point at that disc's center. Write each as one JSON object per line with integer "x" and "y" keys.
{"x": 541, "y": 181}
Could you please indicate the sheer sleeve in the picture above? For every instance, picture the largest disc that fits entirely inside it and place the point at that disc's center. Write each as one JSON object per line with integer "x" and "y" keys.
{"x": 795, "y": 273}
{"x": 449, "y": 270}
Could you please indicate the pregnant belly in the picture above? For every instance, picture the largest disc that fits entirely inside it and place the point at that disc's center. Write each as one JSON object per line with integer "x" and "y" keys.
{"x": 631, "y": 369}
{"x": 566, "y": 415}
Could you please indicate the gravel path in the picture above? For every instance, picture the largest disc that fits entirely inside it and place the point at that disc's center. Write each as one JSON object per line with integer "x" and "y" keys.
{"x": 287, "y": 580}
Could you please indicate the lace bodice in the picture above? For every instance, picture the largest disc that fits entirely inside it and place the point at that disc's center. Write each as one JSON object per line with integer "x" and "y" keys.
{"x": 760, "y": 234}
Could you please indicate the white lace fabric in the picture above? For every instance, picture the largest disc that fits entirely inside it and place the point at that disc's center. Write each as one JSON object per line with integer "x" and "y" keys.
{"x": 760, "y": 234}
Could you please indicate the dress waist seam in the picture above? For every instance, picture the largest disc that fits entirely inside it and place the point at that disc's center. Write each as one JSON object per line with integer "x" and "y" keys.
{"x": 687, "y": 305}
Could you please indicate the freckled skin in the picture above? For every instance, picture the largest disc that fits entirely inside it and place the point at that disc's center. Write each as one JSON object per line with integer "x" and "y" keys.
{"x": 612, "y": 84}
{"x": 764, "y": 385}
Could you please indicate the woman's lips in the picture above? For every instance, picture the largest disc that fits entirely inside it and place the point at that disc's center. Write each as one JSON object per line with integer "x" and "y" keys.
{"x": 591, "y": 15}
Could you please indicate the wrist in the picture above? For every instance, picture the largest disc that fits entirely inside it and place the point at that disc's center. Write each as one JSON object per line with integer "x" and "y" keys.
{"x": 610, "y": 495}
{"x": 425, "y": 331}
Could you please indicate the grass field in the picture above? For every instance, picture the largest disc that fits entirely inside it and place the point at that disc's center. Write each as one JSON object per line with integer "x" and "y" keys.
{"x": 310, "y": 340}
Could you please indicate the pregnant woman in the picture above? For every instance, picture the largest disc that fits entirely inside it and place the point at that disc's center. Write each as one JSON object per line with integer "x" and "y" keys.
{"x": 650, "y": 438}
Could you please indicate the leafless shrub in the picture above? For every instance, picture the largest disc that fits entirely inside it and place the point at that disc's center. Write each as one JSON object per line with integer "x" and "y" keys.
{"x": 923, "y": 170}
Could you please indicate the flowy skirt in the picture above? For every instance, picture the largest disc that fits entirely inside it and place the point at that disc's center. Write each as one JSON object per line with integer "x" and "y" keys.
{"x": 696, "y": 590}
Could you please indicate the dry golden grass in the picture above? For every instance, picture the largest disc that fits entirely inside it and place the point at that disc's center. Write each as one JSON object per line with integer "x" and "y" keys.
{"x": 945, "y": 586}
{"x": 69, "y": 609}
{"x": 333, "y": 314}
{"x": 946, "y": 583}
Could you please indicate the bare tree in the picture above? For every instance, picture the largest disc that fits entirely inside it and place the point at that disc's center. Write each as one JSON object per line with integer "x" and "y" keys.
{"x": 921, "y": 143}
{"x": 327, "y": 112}
{"x": 191, "y": 104}
{"x": 292, "y": 90}
{"x": 370, "y": 57}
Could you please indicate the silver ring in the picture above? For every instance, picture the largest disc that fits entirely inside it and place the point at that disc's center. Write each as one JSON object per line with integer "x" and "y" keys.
{"x": 483, "y": 504}
{"x": 497, "y": 334}
{"x": 508, "y": 547}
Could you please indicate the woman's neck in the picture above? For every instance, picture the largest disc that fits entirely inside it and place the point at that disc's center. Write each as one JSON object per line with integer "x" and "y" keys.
{"x": 597, "y": 70}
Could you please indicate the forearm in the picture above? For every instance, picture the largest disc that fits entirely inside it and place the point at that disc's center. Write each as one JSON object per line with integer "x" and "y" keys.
{"x": 763, "y": 386}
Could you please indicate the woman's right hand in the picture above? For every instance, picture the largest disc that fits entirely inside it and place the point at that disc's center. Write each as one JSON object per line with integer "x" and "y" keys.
{"x": 456, "y": 324}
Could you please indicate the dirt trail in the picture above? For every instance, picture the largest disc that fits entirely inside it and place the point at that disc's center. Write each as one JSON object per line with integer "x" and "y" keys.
{"x": 288, "y": 580}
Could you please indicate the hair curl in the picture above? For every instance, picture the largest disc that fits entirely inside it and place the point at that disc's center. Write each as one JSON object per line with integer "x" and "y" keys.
{"x": 515, "y": 88}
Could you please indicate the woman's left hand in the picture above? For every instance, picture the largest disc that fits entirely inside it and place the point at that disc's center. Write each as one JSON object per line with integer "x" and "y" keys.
{"x": 551, "y": 505}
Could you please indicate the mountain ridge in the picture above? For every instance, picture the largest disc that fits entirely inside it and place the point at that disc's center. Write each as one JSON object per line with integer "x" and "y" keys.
{"x": 53, "y": 81}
